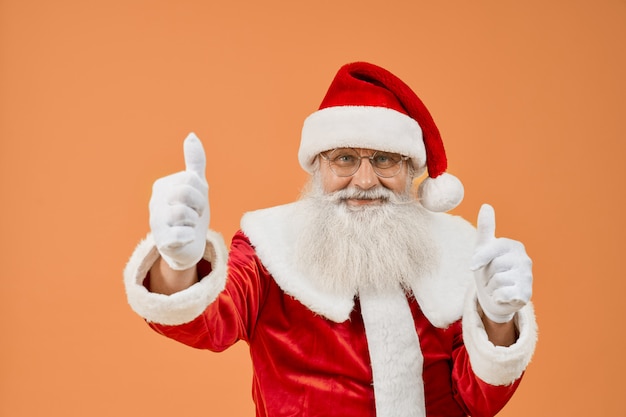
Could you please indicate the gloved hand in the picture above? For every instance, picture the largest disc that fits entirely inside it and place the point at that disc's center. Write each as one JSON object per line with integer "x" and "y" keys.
{"x": 179, "y": 210}
{"x": 502, "y": 269}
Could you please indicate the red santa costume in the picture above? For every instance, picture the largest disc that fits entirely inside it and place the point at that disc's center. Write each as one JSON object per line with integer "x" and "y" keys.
{"x": 419, "y": 351}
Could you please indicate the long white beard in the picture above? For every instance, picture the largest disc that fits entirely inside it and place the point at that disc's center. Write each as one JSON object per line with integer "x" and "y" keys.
{"x": 381, "y": 246}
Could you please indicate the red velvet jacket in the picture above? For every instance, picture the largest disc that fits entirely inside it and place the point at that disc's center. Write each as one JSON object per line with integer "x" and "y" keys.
{"x": 306, "y": 365}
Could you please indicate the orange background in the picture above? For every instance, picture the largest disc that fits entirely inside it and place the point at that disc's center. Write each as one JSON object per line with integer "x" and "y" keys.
{"x": 97, "y": 96}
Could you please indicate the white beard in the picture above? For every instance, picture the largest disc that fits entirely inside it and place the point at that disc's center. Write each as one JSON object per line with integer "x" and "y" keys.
{"x": 379, "y": 247}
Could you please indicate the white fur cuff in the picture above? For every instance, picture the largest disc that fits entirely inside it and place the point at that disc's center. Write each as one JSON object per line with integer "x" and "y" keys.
{"x": 183, "y": 306}
{"x": 498, "y": 365}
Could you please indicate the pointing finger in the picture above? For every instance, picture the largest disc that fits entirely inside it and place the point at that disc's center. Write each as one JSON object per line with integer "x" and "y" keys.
{"x": 195, "y": 159}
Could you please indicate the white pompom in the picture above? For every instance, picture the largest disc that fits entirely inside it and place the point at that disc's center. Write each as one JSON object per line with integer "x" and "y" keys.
{"x": 442, "y": 193}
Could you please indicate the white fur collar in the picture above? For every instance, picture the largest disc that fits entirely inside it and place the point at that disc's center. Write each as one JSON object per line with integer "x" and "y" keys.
{"x": 273, "y": 232}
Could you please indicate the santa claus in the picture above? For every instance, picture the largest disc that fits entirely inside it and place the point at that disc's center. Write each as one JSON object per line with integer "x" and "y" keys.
{"x": 362, "y": 298}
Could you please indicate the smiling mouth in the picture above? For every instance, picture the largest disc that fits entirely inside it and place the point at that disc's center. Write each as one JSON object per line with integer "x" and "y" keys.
{"x": 356, "y": 202}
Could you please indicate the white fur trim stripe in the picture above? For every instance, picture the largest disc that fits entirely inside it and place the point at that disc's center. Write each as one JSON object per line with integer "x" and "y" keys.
{"x": 498, "y": 365}
{"x": 369, "y": 127}
{"x": 183, "y": 306}
{"x": 395, "y": 353}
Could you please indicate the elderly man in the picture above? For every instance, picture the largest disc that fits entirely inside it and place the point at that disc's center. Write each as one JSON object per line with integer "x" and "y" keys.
{"x": 361, "y": 298}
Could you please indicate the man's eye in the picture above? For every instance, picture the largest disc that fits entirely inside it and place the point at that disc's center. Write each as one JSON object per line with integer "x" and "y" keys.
{"x": 385, "y": 160}
{"x": 344, "y": 159}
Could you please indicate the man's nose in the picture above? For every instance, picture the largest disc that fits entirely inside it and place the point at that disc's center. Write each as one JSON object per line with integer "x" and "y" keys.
{"x": 365, "y": 177}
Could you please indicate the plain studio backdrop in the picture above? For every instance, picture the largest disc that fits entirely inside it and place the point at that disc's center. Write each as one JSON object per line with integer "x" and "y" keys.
{"x": 96, "y": 98}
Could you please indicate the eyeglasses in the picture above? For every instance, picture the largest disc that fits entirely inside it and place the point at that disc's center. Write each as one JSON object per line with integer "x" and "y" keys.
{"x": 345, "y": 162}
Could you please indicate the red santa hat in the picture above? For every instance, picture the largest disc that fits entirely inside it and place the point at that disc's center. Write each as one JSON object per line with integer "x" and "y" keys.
{"x": 366, "y": 106}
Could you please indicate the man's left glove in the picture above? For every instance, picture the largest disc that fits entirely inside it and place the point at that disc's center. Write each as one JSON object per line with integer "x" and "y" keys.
{"x": 502, "y": 269}
{"x": 179, "y": 210}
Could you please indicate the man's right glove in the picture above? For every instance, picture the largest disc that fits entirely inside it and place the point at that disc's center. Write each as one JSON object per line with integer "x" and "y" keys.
{"x": 179, "y": 210}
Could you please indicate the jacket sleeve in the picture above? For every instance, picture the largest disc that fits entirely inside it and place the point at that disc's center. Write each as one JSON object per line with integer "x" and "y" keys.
{"x": 498, "y": 365}
{"x": 485, "y": 376}
{"x": 213, "y": 313}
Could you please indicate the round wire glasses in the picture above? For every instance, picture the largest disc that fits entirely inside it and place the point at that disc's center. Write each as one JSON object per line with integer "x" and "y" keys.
{"x": 345, "y": 162}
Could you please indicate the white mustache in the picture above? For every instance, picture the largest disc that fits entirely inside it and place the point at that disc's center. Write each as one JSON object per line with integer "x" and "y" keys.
{"x": 377, "y": 193}
{"x": 359, "y": 194}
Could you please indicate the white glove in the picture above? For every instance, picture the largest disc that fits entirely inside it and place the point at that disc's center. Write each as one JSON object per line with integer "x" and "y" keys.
{"x": 179, "y": 210}
{"x": 502, "y": 269}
